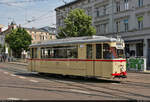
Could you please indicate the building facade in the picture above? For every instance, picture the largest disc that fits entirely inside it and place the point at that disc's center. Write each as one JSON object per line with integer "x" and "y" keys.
{"x": 36, "y": 34}
{"x": 40, "y": 35}
{"x": 129, "y": 19}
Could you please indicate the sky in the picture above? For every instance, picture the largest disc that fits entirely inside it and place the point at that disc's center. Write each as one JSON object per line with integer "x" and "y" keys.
{"x": 29, "y": 13}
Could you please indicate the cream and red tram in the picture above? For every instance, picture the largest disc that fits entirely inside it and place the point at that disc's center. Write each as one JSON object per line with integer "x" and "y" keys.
{"x": 95, "y": 56}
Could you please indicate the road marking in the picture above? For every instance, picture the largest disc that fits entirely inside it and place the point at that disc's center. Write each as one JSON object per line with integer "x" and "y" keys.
{"x": 115, "y": 83}
{"x": 13, "y": 98}
{"x": 13, "y": 75}
{"x": 34, "y": 81}
{"x": 22, "y": 77}
{"x": 6, "y": 73}
{"x": 79, "y": 91}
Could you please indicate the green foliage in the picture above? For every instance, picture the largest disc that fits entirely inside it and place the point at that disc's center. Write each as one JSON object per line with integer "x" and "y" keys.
{"x": 77, "y": 24}
{"x": 18, "y": 40}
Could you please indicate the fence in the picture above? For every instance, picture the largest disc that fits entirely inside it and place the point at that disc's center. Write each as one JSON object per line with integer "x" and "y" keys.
{"x": 136, "y": 64}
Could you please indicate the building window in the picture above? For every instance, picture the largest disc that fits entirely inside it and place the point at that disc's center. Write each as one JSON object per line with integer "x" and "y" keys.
{"x": 118, "y": 6}
{"x": 104, "y": 10}
{"x": 126, "y": 25}
{"x": 97, "y": 28}
{"x": 34, "y": 37}
{"x": 89, "y": 1}
{"x": 139, "y": 49}
{"x": 105, "y": 27}
{"x": 97, "y": 12}
{"x": 118, "y": 26}
{"x": 140, "y": 22}
{"x": 126, "y": 4}
{"x": 140, "y": 3}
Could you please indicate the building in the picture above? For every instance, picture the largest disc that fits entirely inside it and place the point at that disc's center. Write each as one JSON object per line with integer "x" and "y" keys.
{"x": 36, "y": 34}
{"x": 129, "y": 19}
{"x": 40, "y": 35}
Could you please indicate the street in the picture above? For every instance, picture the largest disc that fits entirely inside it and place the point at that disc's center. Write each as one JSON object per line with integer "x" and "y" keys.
{"x": 16, "y": 83}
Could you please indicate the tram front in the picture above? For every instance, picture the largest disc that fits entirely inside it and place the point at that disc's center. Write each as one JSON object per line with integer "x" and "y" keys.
{"x": 119, "y": 60}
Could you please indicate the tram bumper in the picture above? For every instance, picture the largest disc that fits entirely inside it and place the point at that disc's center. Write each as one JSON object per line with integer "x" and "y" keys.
{"x": 120, "y": 75}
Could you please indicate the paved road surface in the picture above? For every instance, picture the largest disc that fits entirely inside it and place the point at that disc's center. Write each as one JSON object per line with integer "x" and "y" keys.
{"x": 18, "y": 84}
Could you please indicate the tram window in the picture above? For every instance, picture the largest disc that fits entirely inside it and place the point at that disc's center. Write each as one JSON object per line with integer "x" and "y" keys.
{"x": 32, "y": 54}
{"x": 89, "y": 51}
{"x": 106, "y": 51}
{"x": 42, "y": 52}
{"x": 72, "y": 52}
{"x": 60, "y": 52}
{"x": 98, "y": 51}
{"x": 120, "y": 53}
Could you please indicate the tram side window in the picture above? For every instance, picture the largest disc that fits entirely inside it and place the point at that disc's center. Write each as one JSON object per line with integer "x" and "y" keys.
{"x": 60, "y": 52}
{"x": 106, "y": 51}
{"x": 89, "y": 51}
{"x": 32, "y": 54}
{"x": 98, "y": 51}
{"x": 42, "y": 53}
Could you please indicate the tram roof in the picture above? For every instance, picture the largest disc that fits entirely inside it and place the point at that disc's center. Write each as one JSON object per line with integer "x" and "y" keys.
{"x": 75, "y": 40}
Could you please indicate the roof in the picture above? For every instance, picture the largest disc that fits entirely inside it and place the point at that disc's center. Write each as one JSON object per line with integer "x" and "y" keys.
{"x": 68, "y": 4}
{"x": 35, "y": 30}
{"x": 51, "y": 30}
{"x": 74, "y": 40}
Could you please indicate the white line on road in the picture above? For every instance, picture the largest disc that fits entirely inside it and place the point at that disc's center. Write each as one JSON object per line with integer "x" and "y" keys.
{"x": 80, "y": 91}
{"x": 6, "y": 73}
{"x": 34, "y": 81}
{"x": 115, "y": 83}
{"x": 13, "y": 98}
{"x": 22, "y": 77}
{"x": 13, "y": 75}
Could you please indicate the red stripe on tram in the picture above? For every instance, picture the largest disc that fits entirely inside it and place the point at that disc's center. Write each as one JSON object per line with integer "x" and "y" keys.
{"x": 78, "y": 60}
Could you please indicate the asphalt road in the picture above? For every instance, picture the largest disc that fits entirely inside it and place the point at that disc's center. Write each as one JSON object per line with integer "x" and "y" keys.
{"x": 16, "y": 83}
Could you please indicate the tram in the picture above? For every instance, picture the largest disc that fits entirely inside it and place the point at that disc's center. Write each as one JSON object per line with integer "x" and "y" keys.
{"x": 90, "y": 56}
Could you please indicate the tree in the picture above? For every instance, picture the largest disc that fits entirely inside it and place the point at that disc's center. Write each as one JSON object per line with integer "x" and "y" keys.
{"x": 77, "y": 24}
{"x": 18, "y": 40}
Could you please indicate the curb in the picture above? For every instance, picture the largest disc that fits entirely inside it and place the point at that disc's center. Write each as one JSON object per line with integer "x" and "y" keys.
{"x": 140, "y": 72}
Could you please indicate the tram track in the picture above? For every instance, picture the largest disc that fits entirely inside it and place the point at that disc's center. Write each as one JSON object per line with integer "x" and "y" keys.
{"x": 55, "y": 90}
{"x": 147, "y": 85}
{"x": 80, "y": 85}
{"x": 111, "y": 89}
{"x": 86, "y": 86}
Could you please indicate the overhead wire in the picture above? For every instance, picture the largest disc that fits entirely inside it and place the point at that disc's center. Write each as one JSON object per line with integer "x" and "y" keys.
{"x": 27, "y": 1}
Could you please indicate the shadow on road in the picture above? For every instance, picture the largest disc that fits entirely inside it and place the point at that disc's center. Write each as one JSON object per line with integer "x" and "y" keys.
{"x": 68, "y": 78}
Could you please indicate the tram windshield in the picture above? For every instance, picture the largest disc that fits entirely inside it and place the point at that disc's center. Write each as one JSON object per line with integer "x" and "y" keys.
{"x": 117, "y": 53}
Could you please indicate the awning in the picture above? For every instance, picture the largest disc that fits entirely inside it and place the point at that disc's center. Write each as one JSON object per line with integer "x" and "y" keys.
{"x": 134, "y": 41}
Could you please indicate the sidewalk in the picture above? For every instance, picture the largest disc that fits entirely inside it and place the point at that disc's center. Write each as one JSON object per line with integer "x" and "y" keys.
{"x": 142, "y": 72}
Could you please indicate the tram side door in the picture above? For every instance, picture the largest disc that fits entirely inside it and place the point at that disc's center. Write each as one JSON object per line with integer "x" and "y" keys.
{"x": 98, "y": 63}
{"x": 90, "y": 56}
{"x": 33, "y": 57}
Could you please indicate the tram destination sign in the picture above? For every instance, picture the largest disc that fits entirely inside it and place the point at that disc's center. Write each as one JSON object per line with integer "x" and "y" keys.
{"x": 119, "y": 45}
